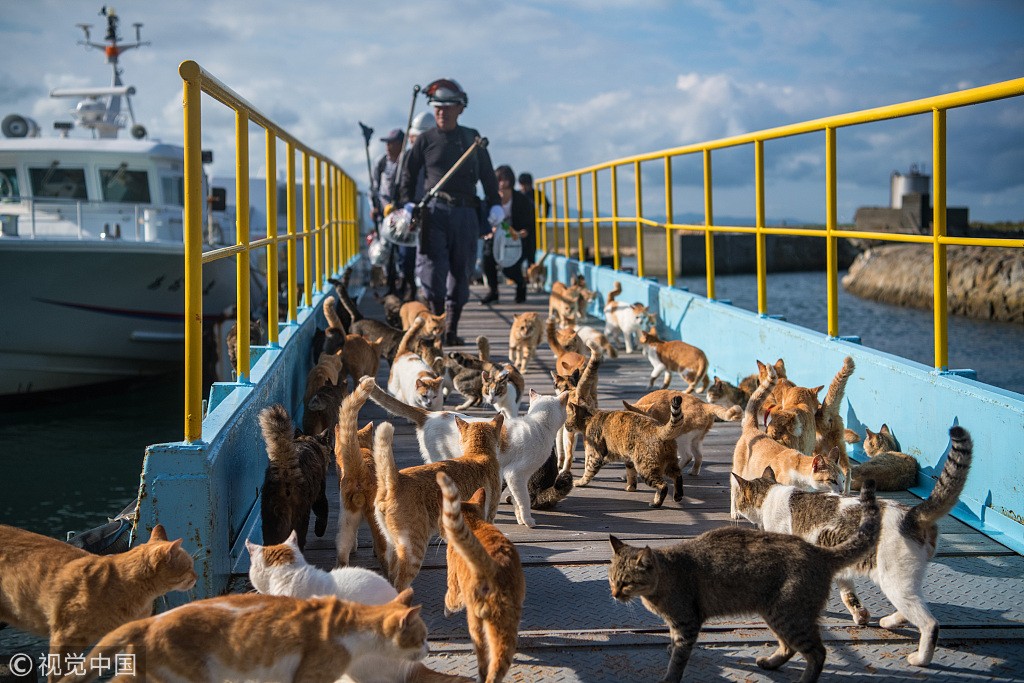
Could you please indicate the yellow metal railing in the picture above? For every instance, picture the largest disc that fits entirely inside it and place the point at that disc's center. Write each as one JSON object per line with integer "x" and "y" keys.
{"x": 936, "y": 106}
{"x": 330, "y": 201}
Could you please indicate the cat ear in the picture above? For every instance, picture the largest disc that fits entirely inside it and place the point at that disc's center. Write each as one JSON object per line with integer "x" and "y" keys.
{"x": 869, "y": 432}
{"x": 533, "y": 395}
{"x": 158, "y": 533}
{"x": 617, "y": 545}
{"x": 292, "y": 540}
{"x": 833, "y": 455}
{"x": 645, "y": 560}
{"x": 461, "y": 424}
{"x": 172, "y": 548}
{"x": 817, "y": 390}
{"x": 498, "y": 420}
{"x": 410, "y": 614}
{"x": 440, "y": 318}
{"x": 884, "y": 429}
{"x": 251, "y": 548}
{"x": 479, "y": 497}
{"x": 762, "y": 369}
{"x": 564, "y": 399}
{"x": 405, "y": 597}
{"x": 818, "y": 464}
{"x": 769, "y": 474}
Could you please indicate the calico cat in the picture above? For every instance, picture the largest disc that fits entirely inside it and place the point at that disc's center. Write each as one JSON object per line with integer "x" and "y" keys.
{"x": 588, "y": 335}
{"x": 755, "y": 450}
{"x": 282, "y": 570}
{"x": 524, "y": 445}
{"x": 432, "y": 324}
{"x": 408, "y": 506}
{"x": 485, "y": 577}
{"x": 411, "y": 379}
{"x": 899, "y": 557}
{"x": 537, "y": 274}
{"x": 255, "y": 637}
{"x": 357, "y": 477}
{"x": 698, "y": 418}
{"x": 891, "y": 469}
{"x": 625, "y": 320}
{"x": 523, "y": 339}
{"x": 295, "y": 482}
{"x": 51, "y": 588}
{"x": 647, "y": 447}
{"x": 675, "y": 356}
{"x": 734, "y": 571}
{"x": 503, "y": 388}
{"x": 828, "y": 422}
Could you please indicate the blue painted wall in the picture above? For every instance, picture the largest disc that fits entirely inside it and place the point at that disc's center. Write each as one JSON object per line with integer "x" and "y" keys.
{"x": 918, "y": 404}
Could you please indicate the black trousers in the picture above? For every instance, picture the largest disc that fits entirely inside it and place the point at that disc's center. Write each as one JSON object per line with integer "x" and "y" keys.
{"x": 513, "y": 272}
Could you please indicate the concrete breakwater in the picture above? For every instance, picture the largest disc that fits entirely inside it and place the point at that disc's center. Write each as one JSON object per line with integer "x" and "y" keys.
{"x": 982, "y": 282}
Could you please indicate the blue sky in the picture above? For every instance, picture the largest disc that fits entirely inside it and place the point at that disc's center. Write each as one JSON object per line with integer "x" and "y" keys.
{"x": 557, "y": 85}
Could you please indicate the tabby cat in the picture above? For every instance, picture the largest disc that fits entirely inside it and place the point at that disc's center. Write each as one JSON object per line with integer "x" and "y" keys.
{"x": 791, "y": 420}
{"x": 891, "y": 469}
{"x": 367, "y": 327}
{"x": 272, "y": 638}
{"x": 734, "y": 571}
{"x": 408, "y": 507}
{"x": 485, "y": 577}
{"x": 582, "y": 387}
{"x": 647, "y": 447}
{"x": 51, "y": 588}
{"x": 503, "y": 388}
{"x": 727, "y": 395}
{"x": 523, "y": 339}
{"x": 901, "y": 553}
{"x": 325, "y": 387}
{"x": 255, "y": 338}
{"x": 361, "y": 357}
{"x": 295, "y": 482}
{"x": 667, "y": 357}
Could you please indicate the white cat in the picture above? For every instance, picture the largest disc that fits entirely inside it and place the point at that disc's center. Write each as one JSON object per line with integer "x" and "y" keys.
{"x": 627, "y": 320}
{"x": 284, "y": 571}
{"x": 413, "y": 380}
{"x": 525, "y": 444}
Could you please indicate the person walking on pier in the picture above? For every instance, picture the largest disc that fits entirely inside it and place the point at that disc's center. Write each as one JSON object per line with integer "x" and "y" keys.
{"x": 407, "y": 255}
{"x": 530, "y": 245}
{"x": 451, "y": 222}
{"x": 383, "y": 179}
{"x": 521, "y": 220}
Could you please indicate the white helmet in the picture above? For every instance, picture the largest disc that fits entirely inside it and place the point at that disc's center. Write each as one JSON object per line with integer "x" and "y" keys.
{"x": 422, "y": 123}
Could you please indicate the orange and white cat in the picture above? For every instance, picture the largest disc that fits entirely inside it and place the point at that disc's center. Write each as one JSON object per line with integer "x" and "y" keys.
{"x": 412, "y": 380}
{"x": 432, "y": 324}
{"x": 485, "y": 577}
{"x": 627, "y": 320}
{"x": 51, "y": 588}
{"x": 667, "y": 357}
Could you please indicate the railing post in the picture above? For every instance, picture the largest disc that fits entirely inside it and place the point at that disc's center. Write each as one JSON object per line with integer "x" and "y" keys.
{"x": 831, "y": 243}
{"x": 318, "y": 239}
{"x": 762, "y": 255}
{"x": 669, "y": 252}
{"x": 638, "y": 190}
{"x": 580, "y": 247}
{"x": 242, "y": 238}
{"x": 307, "y": 243}
{"x": 616, "y": 258}
{"x": 565, "y": 214}
{"x": 939, "y": 231}
{"x": 193, "y": 237}
{"x": 272, "y": 284}
{"x": 597, "y": 223}
{"x": 709, "y": 220}
{"x": 293, "y": 278}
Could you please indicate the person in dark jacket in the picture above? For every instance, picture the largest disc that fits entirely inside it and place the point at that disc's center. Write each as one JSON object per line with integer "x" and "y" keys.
{"x": 519, "y": 213}
{"x": 451, "y": 222}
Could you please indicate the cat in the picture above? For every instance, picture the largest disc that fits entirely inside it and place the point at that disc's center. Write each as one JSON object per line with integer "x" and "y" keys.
{"x": 698, "y": 418}
{"x": 828, "y": 422}
{"x": 295, "y": 482}
{"x": 790, "y": 421}
{"x": 891, "y": 469}
{"x": 361, "y": 356}
{"x": 357, "y": 477}
{"x": 566, "y": 304}
{"x": 485, "y": 577}
{"x": 334, "y": 335}
{"x": 898, "y": 559}
{"x": 255, "y": 338}
{"x": 727, "y": 395}
{"x": 734, "y": 571}
{"x": 675, "y": 356}
{"x": 547, "y": 486}
{"x": 282, "y": 570}
{"x": 462, "y": 373}
{"x": 588, "y": 335}
{"x": 369, "y": 328}
{"x": 408, "y": 506}
{"x": 755, "y": 450}
{"x": 523, "y": 339}
{"x": 392, "y": 305}
{"x": 432, "y": 324}
{"x": 325, "y": 387}
{"x": 51, "y": 588}
{"x": 524, "y": 445}
{"x": 582, "y": 387}
{"x": 625, "y": 319}
{"x": 255, "y": 637}
{"x": 647, "y": 447}
{"x": 503, "y": 388}
{"x": 537, "y": 274}
{"x": 411, "y": 379}
{"x": 567, "y": 360}
{"x": 564, "y": 339}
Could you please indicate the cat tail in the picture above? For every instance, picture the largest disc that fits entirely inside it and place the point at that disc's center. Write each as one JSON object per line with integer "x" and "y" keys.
{"x": 547, "y": 498}
{"x": 410, "y": 334}
{"x": 838, "y": 386}
{"x": 615, "y": 291}
{"x": 342, "y": 289}
{"x": 588, "y": 378}
{"x": 331, "y": 314}
{"x": 950, "y": 484}
{"x": 346, "y": 444}
{"x": 483, "y": 345}
{"x": 457, "y": 533}
{"x": 553, "y": 338}
{"x": 764, "y": 388}
{"x": 730, "y": 414}
{"x": 279, "y": 433}
{"x": 674, "y": 427}
{"x": 866, "y": 536}
{"x": 400, "y": 408}
{"x": 384, "y": 459}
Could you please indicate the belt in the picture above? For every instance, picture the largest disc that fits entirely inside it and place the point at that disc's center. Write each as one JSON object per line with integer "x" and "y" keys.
{"x": 471, "y": 202}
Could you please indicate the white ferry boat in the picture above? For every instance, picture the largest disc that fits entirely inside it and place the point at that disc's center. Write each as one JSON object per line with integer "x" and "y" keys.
{"x": 91, "y": 253}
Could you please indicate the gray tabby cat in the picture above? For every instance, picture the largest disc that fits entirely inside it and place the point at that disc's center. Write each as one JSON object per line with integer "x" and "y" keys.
{"x": 731, "y": 571}
{"x": 905, "y": 545}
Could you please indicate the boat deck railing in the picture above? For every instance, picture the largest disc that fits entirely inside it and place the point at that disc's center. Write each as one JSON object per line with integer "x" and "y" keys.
{"x": 56, "y": 217}
{"x": 597, "y": 187}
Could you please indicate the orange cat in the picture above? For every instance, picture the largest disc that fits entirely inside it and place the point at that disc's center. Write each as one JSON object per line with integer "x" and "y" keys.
{"x": 408, "y": 506}
{"x": 675, "y": 356}
{"x": 361, "y": 356}
{"x": 567, "y": 360}
{"x": 484, "y": 576}
{"x": 537, "y": 274}
{"x": 53, "y": 589}
{"x": 357, "y": 477}
{"x": 566, "y": 304}
{"x": 828, "y": 421}
{"x": 255, "y": 637}
{"x": 523, "y": 339}
{"x": 432, "y": 324}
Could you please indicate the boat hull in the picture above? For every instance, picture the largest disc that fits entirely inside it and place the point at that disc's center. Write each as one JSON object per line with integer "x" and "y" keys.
{"x": 77, "y": 313}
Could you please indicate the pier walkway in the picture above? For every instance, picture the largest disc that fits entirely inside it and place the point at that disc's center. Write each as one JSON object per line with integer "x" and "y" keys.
{"x": 572, "y": 630}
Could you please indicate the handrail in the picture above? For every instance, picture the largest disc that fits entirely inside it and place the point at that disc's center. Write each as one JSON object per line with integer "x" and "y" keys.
{"x": 937, "y": 106}
{"x": 334, "y": 203}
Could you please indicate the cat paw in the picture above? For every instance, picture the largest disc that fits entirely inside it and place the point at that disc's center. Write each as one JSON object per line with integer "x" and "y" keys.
{"x": 917, "y": 660}
{"x": 862, "y": 617}
{"x": 892, "y": 621}
{"x": 768, "y": 663}
{"x": 677, "y": 496}
{"x": 631, "y": 487}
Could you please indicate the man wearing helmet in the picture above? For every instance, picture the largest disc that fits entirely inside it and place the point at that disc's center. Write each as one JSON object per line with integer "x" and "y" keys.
{"x": 451, "y": 222}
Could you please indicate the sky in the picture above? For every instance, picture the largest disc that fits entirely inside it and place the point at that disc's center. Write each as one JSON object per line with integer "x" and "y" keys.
{"x": 557, "y": 85}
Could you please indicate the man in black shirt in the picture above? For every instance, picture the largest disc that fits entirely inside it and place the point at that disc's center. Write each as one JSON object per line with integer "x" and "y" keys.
{"x": 451, "y": 222}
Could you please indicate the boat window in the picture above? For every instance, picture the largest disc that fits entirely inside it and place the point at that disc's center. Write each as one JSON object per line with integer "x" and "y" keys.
{"x": 54, "y": 181}
{"x": 9, "y": 184}
{"x": 122, "y": 185}
{"x": 173, "y": 188}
